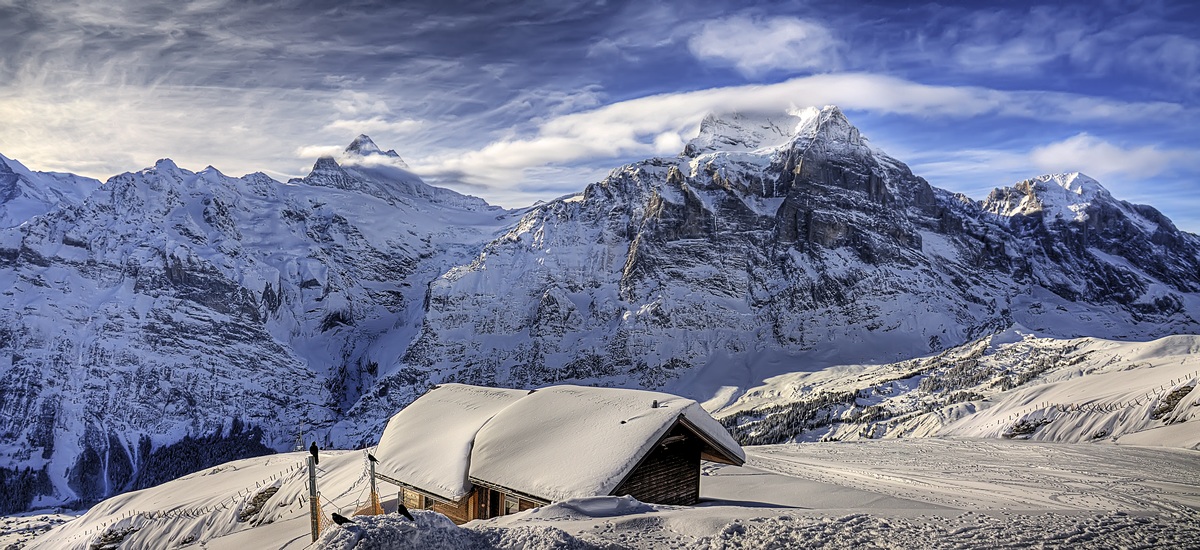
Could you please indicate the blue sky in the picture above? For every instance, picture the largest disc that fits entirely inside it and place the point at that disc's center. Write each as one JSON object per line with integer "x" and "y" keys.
{"x": 516, "y": 102}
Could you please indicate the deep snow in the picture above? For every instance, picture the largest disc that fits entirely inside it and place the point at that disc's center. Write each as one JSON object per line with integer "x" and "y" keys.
{"x": 918, "y": 493}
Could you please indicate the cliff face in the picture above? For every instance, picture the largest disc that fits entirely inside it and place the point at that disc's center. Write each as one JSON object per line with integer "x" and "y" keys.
{"x": 236, "y": 311}
{"x": 240, "y": 311}
{"x": 795, "y": 247}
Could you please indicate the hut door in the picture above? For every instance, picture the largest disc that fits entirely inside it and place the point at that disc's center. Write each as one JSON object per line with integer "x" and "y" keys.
{"x": 494, "y": 509}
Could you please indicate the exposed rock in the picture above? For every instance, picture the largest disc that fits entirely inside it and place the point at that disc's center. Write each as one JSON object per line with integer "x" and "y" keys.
{"x": 172, "y": 304}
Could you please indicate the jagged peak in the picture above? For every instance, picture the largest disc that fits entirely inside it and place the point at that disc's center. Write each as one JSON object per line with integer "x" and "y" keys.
{"x": 1064, "y": 195}
{"x": 326, "y": 172}
{"x": 12, "y": 166}
{"x": 1074, "y": 183}
{"x": 364, "y": 147}
{"x": 741, "y": 131}
{"x": 1064, "y": 189}
{"x": 165, "y": 165}
{"x": 829, "y": 126}
{"x": 325, "y": 163}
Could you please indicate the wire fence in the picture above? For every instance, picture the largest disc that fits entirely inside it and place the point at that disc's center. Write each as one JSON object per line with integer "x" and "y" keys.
{"x": 1062, "y": 409}
{"x": 142, "y": 518}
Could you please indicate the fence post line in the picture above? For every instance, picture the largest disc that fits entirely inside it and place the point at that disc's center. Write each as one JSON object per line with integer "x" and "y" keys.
{"x": 312, "y": 493}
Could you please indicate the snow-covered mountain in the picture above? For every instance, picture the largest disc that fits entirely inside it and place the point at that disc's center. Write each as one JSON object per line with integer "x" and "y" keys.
{"x": 25, "y": 193}
{"x": 1014, "y": 384}
{"x": 234, "y": 311}
{"x": 171, "y": 309}
{"x": 795, "y": 248}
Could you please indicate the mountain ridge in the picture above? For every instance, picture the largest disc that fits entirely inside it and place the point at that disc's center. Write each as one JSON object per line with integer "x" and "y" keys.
{"x": 343, "y": 295}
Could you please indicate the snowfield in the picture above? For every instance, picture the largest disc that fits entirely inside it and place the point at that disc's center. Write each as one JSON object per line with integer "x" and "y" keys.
{"x": 894, "y": 493}
{"x": 1015, "y": 440}
{"x": 1013, "y": 384}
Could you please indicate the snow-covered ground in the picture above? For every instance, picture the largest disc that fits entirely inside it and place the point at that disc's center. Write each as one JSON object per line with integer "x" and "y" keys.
{"x": 1014, "y": 384}
{"x": 16, "y": 531}
{"x": 896, "y": 493}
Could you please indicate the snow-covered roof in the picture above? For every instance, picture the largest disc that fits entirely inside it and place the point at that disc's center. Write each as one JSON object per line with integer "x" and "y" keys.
{"x": 555, "y": 443}
{"x": 573, "y": 441}
{"x": 428, "y": 444}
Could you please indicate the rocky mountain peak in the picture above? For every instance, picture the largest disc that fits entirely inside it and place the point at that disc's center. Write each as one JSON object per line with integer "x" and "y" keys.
{"x": 15, "y": 169}
{"x": 25, "y": 193}
{"x": 326, "y": 172}
{"x": 828, "y": 124}
{"x": 363, "y": 148}
{"x": 1076, "y": 183}
{"x": 363, "y": 145}
{"x": 751, "y": 131}
{"x": 1065, "y": 196}
{"x": 739, "y": 131}
{"x": 166, "y": 165}
{"x": 1066, "y": 189}
{"x": 5, "y": 168}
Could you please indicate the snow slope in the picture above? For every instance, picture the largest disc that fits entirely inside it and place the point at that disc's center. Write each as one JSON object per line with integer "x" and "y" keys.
{"x": 1015, "y": 384}
{"x": 172, "y": 304}
{"x": 929, "y": 493}
{"x": 25, "y": 194}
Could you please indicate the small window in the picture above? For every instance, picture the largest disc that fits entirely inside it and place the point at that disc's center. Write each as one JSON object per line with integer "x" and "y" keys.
{"x": 511, "y": 504}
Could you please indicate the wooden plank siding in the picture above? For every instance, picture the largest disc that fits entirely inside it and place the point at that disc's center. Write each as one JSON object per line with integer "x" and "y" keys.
{"x": 670, "y": 473}
{"x": 413, "y": 500}
{"x": 459, "y": 512}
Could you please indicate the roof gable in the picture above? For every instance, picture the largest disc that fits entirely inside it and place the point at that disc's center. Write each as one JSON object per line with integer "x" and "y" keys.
{"x": 428, "y": 443}
{"x": 571, "y": 441}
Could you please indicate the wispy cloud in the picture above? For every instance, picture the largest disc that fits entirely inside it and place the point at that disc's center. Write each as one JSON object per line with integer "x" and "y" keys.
{"x": 1101, "y": 159}
{"x": 755, "y": 45}
{"x": 1095, "y": 41}
{"x": 374, "y": 125}
{"x": 1014, "y": 40}
{"x": 528, "y": 100}
{"x": 646, "y": 125}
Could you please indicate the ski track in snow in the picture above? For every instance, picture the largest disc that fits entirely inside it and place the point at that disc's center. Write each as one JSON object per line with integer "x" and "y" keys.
{"x": 970, "y": 530}
{"x": 907, "y": 493}
{"x": 1000, "y": 475}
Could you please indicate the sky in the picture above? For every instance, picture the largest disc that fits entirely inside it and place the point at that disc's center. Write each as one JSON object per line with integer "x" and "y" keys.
{"x": 523, "y": 101}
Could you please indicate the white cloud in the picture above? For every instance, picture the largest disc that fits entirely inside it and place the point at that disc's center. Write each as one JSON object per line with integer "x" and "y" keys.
{"x": 668, "y": 143}
{"x": 1172, "y": 58}
{"x": 354, "y": 103}
{"x": 374, "y": 124}
{"x": 99, "y": 131}
{"x": 637, "y": 127}
{"x": 318, "y": 151}
{"x": 756, "y": 46}
{"x": 1099, "y": 158}
{"x": 1014, "y": 56}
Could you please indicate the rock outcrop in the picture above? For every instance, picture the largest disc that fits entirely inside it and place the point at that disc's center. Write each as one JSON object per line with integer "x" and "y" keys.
{"x": 170, "y": 306}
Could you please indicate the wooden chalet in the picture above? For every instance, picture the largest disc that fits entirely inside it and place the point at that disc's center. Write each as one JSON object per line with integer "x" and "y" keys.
{"x": 472, "y": 452}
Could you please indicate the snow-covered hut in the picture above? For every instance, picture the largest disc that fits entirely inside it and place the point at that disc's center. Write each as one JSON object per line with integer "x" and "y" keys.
{"x": 473, "y": 452}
